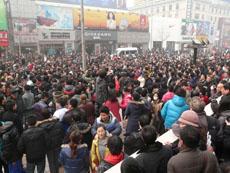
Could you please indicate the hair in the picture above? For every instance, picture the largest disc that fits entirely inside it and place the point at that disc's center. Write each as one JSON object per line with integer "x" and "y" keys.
{"x": 225, "y": 167}
{"x": 101, "y": 125}
{"x": 27, "y": 87}
{"x": 115, "y": 145}
{"x": 196, "y": 104}
{"x": 31, "y": 120}
{"x": 108, "y": 17}
{"x": 104, "y": 109}
{"x": 112, "y": 96}
{"x": 190, "y": 136}
{"x": 10, "y": 105}
{"x": 62, "y": 101}
{"x": 227, "y": 86}
{"x": 171, "y": 88}
{"x": 73, "y": 102}
{"x": 149, "y": 135}
{"x": 130, "y": 165}
{"x": 136, "y": 96}
{"x": 180, "y": 92}
{"x": 75, "y": 139}
{"x": 102, "y": 74}
{"x": 144, "y": 120}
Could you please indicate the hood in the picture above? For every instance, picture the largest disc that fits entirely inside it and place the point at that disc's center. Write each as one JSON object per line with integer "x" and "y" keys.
{"x": 114, "y": 159}
{"x": 179, "y": 101}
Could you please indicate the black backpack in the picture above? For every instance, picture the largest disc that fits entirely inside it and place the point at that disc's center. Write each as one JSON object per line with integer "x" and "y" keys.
{"x": 9, "y": 139}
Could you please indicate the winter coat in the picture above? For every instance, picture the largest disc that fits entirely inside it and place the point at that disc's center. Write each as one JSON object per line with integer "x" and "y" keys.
{"x": 113, "y": 126}
{"x": 226, "y": 144}
{"x": 80, "y": 164}
{"x": 34, "y": 143}
{"x": 95, "y": 155}
{"x": 89, "y": 111}
{"x": 193, "y": 161}
{"x": 114, "y": 107}
{"x": 167, "y": 96}
{"x": 109, "y": 161}
{"x": 154, "y": 158}
{"x": 126, "y": 98}
{"x": 101, "y": 90}
{"x": 133, "y": 112}
{"x": 28, "y": 100}
{"x": 172, "y": 110}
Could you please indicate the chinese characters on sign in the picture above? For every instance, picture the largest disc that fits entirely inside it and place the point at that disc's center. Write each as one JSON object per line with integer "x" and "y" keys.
{"x": 4, "y": 39}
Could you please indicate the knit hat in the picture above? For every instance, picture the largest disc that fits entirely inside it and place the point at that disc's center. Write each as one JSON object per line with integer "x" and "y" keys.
{"x": 189, "y": 117}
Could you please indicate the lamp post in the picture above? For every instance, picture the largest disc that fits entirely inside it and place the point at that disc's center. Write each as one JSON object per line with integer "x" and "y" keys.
{"x": 82, "y": 37}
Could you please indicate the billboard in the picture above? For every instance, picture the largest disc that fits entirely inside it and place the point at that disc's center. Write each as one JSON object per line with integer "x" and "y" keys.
{"x": 24, "y": 26}
{"x": 3, "y": 19}
{"x": 4, "y": 42}
{"x": 110, "y": 20}
{"x": 195, "y": 29}
{"x": 114, "y": 4}
{"x": 51, "y": 17}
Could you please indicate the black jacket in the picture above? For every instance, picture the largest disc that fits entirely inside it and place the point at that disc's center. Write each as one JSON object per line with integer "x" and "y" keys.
{"x": 154, "y": 158}
{"x": 34, "y": 143}
{"x": 226, "y": 144}
{"x": 55, "y": 133}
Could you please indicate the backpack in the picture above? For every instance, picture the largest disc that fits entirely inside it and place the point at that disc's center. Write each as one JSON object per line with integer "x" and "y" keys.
{"x": 8, "y": 141}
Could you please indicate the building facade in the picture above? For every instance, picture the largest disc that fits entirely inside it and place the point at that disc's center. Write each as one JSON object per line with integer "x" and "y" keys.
{"x": 205, "y": 12}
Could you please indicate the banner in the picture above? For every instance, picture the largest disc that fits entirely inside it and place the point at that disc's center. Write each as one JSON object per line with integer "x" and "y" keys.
{"x": 4, "y": 42}
{"x": 110, "y": 20}
{"x": 24, "y": 26}
{"x": 114, "y": 4}
{"x": 3, "y": 19}
{"x": 51, "y": 17}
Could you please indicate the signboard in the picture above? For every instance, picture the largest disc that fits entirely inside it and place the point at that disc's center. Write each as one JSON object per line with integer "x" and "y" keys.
{"x": 49, "y": 35}
{"x": 115, "y": 4}
{"x": 3, "y": 19}
{"x": 99, "y": 35}
{"x": 4, "y": 42}
{"x": 54, "y": 17}
{"x": 24, "y": 26}
{"x": 110, "y": 20}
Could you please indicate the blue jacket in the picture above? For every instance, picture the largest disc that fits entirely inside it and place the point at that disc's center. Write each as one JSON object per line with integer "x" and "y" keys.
{"x": 172, "y": 110}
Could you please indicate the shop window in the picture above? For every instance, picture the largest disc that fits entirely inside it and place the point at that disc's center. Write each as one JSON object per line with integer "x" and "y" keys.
{"x": 197, "y": 16}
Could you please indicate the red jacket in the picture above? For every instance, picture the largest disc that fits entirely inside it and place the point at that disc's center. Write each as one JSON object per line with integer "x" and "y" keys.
{"x": 114, "y": 107}
{"x": 125, "y": 100}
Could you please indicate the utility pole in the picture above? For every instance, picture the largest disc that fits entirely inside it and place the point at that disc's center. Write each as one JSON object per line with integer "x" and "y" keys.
{"x": 82, "y": 37}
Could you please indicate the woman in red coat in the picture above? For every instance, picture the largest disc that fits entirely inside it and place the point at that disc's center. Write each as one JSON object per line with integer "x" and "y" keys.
{"x": 113, "y": 105}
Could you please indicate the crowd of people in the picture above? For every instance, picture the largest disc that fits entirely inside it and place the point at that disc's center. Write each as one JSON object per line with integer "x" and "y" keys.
{"x": 88, "y": 121}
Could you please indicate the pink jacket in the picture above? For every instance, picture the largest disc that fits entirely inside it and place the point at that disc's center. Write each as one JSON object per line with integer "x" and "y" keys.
{"x": 167, "y": 96}
{"x": 125, "y": 100}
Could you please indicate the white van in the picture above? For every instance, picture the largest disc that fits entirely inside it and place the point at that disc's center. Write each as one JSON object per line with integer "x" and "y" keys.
{"x": 125, "y": 52}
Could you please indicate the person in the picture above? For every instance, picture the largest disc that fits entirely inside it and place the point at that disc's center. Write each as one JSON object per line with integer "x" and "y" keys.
{"x": 226, "y": 141}
{"x": 61, "y": 108}
{"x": 113, "y": 105}
{"x": 101, "y": 90}
{"x": 130, "y": 165}
{"x": 34, "y": 143}
{"x": 172, "y": 109}
{"x": 168, "y": 95}
{"x": 111, "y": 21}
{"x": 55, "y": 133}
{"x": 74, "y": 157}
{"x": 111, "y": 123}
{"x": 133, "y": 111}
{"x": 99, "y": 147}
{"x": 190, "y": 159}
{"x": 134, "y": 142}
{"x": 116, "y": 155}
{"x": 28, "y": 101}
{"x": 154, "y": 157}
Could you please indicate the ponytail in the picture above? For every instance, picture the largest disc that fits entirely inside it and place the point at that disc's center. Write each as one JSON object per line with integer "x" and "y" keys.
{"x": 75, "y": 138}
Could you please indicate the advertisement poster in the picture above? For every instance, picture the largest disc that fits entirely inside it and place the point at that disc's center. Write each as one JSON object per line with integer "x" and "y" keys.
{"x": 114, "y": 4}
{"x": 24, "y": 26}
{"x": 110, "y": 20}
{"x": 4, "y": 42}
{"x": 51, "y": 17}
{"x": 3, "y": 19}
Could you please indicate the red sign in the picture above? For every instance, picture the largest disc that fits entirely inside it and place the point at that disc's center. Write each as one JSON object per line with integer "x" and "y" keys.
{"x": 4, "y": 42}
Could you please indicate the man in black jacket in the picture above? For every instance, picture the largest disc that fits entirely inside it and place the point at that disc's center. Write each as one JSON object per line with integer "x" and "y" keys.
{"x": 55, "y": 132}
{"x": 34, "y": 143}
{"x": 153, "y": 158}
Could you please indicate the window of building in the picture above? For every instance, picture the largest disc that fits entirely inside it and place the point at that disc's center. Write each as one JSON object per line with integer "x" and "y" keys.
{"x": 170, "y": 7}
{"x": 197, "y": 16}
{"x": 176, "y": 15}
{"x": 177, "y": 6}
{"x": 197, "y": 7}
{"x": 157, "y": 9}
{"x": 203, "y": 8}
{"x": 211, "y": 18}
{"x": 163, "y": 8}
{"x": 202, "y": 17}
